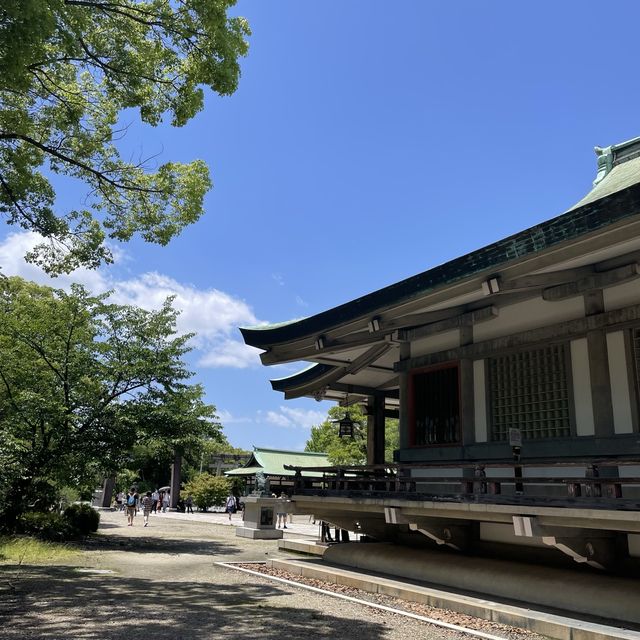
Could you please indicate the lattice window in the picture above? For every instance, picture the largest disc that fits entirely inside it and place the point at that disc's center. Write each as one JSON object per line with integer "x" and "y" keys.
{"x": 530, "y": 392}
{"x": 436, "y": 407}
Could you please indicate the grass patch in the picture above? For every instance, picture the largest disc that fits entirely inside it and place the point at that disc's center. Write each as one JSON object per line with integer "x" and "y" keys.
{"x": 25, "y": 550}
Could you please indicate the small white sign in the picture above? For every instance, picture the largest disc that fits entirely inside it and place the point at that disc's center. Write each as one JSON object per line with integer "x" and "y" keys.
{"x": 515, "y": 437}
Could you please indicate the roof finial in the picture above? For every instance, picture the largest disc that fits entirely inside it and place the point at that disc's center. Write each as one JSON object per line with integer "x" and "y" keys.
{"x": 605, "y": 163}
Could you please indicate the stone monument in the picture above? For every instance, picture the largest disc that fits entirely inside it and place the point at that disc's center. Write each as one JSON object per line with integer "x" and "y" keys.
{"x": 260, "y": 513}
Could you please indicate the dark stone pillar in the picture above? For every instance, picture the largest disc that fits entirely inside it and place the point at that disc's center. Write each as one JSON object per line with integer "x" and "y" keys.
{"x": 176, "y": 477}
{"x": 107, "y": 491}
{"x": 375, "y": 430}
{"x": 403, "y": 423}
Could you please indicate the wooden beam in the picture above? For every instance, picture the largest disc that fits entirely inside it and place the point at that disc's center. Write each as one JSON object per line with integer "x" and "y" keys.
{"x": 388, "y": 413}
{"x": 368, "y": 357}
{"x": 464, "y": 319}
{"x": 541, "y": 280}
{"x": 334, "y": 362}
{"x": 332, "y": 376}
{"x": 593, "y": 281}
{"x": 364, "y": 391}
{"x": 353, "y": 341}
{"x": 559, "y": 332}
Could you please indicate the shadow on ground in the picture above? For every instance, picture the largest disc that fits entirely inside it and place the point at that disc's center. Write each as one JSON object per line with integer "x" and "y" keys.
{"x": 60, "y": 602}
{"x": 150, "y": 544}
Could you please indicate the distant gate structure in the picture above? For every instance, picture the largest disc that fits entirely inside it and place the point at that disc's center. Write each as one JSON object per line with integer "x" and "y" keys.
{"x": 221, "y": 462}
{"x": 275, "y": 465}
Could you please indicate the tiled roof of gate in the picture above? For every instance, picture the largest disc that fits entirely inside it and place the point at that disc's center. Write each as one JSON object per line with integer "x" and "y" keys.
{"x": 271, "y": 462}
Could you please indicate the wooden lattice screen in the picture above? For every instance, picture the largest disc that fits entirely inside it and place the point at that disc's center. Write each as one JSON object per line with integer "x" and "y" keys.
{"x": 529, "y": 391}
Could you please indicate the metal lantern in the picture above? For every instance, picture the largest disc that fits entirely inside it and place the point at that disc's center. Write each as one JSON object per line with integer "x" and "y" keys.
{"x": 346, "y": 426}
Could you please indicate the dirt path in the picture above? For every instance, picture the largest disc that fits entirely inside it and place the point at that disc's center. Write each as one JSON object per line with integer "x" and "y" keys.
{"x": 162, "y": 582}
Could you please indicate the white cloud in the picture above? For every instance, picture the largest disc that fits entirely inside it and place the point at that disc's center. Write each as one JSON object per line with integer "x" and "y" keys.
{"x": 210, "y": 313}
{"x": 12, "y": 263}
{"x": 230, "y": 353}
{"x": 300, "y": 302}
{"x": 293, "y": 418}
{"x": 278, "y": 278}
{"x": 226, "y": 417}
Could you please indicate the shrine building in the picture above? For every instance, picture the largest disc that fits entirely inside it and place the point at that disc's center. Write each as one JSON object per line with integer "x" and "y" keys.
{"x": 514, "y": 372}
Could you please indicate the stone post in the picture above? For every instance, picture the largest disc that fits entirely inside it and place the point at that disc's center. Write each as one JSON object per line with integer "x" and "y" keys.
{"x": 107, "y": 492}
{"x": 176, "y": 477}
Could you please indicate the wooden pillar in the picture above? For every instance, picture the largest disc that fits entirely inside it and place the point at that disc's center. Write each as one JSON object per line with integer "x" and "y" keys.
{"x": 176, "y": 478}
{"x": 403, "y": 422}
{"x": 107, "y": 491}
{"x": 467, "y": 410}
{"x": 375, "y": 430}
{"x": 599, "y": 369}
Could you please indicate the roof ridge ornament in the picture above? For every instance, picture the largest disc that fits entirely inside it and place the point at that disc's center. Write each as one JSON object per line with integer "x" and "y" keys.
{"x": 609, "y": 157}
{"x": 605, "y": 163}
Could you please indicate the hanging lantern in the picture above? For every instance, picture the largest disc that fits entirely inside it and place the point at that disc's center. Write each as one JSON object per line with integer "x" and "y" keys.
{"x": 346, "y": 426}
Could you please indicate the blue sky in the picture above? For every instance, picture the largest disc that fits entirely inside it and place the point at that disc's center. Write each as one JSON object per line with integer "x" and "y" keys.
{"x": 368, "y": 141}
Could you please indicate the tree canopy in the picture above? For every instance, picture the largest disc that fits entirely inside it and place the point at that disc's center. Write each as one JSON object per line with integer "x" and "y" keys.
{"x": 67, "y": 70}
{"x": 324, "y": 437}
{"x": 81, "y": 382}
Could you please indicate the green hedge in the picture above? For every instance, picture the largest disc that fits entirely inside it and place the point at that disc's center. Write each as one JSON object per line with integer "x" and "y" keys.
{"x": 46, "y": 526}
{"x": 82, "y": 518}
{"x": 76, "y": 521}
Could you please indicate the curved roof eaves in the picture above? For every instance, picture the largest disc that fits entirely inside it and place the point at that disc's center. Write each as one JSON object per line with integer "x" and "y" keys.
{"x": 570, "y": 225}
{"x": 306, "y": 375}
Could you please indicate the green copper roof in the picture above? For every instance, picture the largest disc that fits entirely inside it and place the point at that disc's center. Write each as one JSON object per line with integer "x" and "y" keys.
{"x": 271, "y": 462}
{"x": 614, "y": 199}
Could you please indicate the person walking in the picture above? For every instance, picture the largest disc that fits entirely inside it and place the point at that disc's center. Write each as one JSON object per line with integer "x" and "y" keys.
{"x": 282, "y": 511}
{"x": 230, "y": 505}
{"x": 132, "y": 506}
{"x": 166, "y": 501}
{"x": 155, "y": 496}
{"x": 188, "y": 503}
{"x": 147, "y": 505}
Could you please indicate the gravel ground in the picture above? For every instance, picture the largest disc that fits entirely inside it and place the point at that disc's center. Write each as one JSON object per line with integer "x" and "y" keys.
{"x": 162, "y": 582}
{"x": 443, "y": 615}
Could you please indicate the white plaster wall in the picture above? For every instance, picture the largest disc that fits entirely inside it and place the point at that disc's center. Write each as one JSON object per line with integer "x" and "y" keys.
{"x": 479, "y": 401}
{"x": 526, "y": 315}
{"x": 433, "y": 344}
{"x": 622, "y": 295}
{"x": 619, "y": 376}
{"x": 585, "y": 425}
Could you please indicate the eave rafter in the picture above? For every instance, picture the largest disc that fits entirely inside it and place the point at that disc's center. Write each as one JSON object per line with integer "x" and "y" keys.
{"x": 389, "y": 332}
{"x": 335, "y": 374}
{"x": 381, "y": 332}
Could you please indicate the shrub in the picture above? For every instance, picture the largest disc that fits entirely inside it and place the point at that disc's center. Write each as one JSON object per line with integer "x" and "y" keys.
{"x": 46, "y": 526}
{"x": 83, "y": 518}
{"x": 207, "y": 490}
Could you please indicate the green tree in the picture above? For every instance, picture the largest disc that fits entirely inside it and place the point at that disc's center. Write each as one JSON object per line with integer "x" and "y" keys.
{"x": 67, "y": 70}
{"x": 324, "y": 438}
{"x": 208, "y": 490}
{"x": 76, "y": 376}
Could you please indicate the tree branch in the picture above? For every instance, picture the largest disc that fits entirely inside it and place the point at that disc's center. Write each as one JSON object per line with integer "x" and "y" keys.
{"x": 100, "y": 175}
